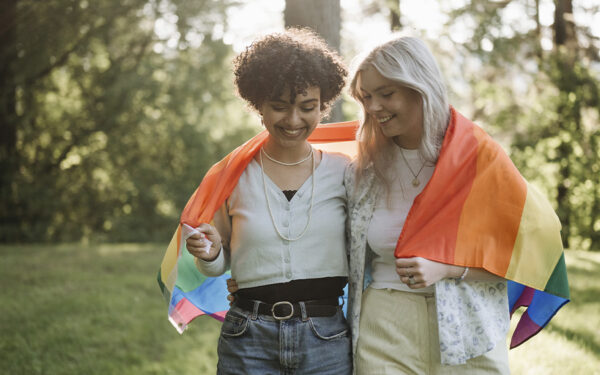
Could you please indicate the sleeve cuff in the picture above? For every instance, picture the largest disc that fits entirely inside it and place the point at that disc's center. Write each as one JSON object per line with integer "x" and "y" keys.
{"x": 215, "y": 267}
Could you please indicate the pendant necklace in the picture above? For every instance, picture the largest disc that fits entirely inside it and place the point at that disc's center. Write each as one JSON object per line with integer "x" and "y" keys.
{"x": 415, "y": 181}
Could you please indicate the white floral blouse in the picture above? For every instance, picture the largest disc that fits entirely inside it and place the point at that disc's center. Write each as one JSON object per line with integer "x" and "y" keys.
{"x": 472, "y": 315}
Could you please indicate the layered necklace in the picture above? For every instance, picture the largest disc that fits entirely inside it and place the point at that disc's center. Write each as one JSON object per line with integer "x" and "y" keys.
{"x": 310, "y": 152}
{"x": 415, "y": 181}
{"x": 312, "y": 196}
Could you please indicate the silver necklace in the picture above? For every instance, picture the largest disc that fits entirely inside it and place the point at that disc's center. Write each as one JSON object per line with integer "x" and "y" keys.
{"x": 310, "y": 152}
{"x": 415, "y": 181}
{"x": 312, "y": 198}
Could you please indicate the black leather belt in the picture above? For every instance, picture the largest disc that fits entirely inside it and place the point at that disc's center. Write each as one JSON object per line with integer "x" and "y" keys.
{"x": 284, "y": 310}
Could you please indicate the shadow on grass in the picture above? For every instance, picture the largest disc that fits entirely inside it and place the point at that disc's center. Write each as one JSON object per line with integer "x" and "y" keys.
{"x": 586, "y": 340}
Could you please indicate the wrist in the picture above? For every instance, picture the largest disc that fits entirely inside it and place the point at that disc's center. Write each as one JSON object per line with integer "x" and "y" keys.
{"x": 463, "y": 273}
{"x": 455, "y": 272}
{"x": 209, "y": 258}
{"x": 220, "y": 249}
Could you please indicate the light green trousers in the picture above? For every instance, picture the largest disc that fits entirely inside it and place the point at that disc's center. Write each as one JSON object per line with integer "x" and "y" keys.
{"x": 399, "y": 335}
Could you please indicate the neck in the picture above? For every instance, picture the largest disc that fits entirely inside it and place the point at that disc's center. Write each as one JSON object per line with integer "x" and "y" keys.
{"x": 287, "y": 154}
{"x": 407, "y": 144}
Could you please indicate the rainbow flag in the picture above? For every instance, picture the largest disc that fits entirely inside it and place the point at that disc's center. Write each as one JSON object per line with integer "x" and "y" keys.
{"x": 478, "y": 211}
{"x": 187, "y": 292}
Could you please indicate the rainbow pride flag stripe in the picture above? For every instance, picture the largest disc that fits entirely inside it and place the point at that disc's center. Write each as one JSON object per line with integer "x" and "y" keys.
{"x": 478, "y": 211}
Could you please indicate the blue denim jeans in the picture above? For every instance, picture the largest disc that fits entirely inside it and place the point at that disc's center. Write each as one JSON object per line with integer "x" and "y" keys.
{"x": 251, "y": 343}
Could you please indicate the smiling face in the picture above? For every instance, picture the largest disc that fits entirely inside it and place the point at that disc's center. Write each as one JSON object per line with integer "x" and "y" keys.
{"x": 290, "y": 123}
{"x": 397, "y": 109}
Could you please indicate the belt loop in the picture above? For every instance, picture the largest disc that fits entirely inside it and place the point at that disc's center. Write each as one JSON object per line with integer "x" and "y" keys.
{"x": 303, "y": 311}
{"x": 255, "y": 310}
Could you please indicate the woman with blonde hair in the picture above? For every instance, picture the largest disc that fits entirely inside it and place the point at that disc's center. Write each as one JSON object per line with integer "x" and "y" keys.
{"x": 436, "y": 213}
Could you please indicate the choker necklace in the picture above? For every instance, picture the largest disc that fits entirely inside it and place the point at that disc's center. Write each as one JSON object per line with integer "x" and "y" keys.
{"x": 288, "y": 164}
{"x": 415, "y": 181}
{"x": 312, "y": 198}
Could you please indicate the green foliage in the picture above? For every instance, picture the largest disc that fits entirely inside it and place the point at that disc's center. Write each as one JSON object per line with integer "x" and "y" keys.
{"x": 121, "y": 108}
{"x": 73, "y": 309}
{"x": 543, "y": 103}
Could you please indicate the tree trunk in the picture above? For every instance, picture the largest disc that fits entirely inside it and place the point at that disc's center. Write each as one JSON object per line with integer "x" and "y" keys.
{"x": 8, "y": 56}
{"x": 324, "y": 17}
{"x": 538, "y": 30}
{"x": 8, "y": 115}
{"x": 564, "y": 24}
{"x": 395, "y": 21}
{"x": 569, "y": 120}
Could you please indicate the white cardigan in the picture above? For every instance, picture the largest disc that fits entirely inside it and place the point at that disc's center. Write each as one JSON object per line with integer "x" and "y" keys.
{"x": 472, "y": 315}
{"x": 252, "y": 248}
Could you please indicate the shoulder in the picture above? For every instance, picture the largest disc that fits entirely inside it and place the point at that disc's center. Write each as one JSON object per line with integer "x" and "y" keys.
{"x": 336, "y": 158}
{"x": 335, "y": 161}
{"x": 350, "y": 173}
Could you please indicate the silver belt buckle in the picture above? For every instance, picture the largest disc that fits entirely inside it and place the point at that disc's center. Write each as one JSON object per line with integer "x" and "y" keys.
{"x": 282, "y": 317}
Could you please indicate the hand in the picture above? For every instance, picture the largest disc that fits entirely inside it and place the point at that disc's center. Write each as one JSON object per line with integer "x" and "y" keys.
{"x": 232, "y": 287}
{"x": 424, "y": 272}
{"x": 196, "y": 243}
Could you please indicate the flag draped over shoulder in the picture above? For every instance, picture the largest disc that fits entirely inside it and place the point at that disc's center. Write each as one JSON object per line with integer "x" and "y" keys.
{"x": 478, "y": 211}
{"x": 189, "y": 293}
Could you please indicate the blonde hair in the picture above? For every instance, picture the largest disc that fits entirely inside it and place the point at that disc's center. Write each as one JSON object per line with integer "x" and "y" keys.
{"x": 408, "y": 62}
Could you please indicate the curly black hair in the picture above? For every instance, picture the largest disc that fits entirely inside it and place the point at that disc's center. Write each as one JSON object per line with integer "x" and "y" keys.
{"x": 294, "y": 60}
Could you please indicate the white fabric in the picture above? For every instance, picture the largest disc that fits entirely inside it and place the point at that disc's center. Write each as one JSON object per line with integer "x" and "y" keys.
{"x": 389, "y": 216}
{"x": 257, "y": 255}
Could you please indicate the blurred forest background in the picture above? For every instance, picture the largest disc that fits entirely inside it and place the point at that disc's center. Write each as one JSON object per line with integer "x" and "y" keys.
{"x": 112, "y": 111}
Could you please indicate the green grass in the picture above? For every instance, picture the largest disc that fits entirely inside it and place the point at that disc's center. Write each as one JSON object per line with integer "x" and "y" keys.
{"x": 73, "y": 309}
{"x": 570, "y": 344}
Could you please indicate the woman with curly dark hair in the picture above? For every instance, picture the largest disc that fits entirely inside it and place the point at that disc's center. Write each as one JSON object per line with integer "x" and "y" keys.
{"x": 281, "y": 231}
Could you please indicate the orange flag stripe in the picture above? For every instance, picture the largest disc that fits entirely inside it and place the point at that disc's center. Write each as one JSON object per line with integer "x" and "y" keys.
{"x": 431, "y": 227}
{"x": 334, "y": 132}
{"x": 494, "y": 205}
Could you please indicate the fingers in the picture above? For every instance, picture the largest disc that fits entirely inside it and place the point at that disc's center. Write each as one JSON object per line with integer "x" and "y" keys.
{"x": 406, "y": 271}
{"x": 407, "y": 267}
{"x": 408, "y": 262}
{"x": 197, "y": 243}
{"x": 232, "y": 286}
{"x": 207, "y": 229}
{"x": 410, "y": 272}
{"x": 197, "y": 240}
{"x": 413, "y": 282}
{"x": 205, "y": 243}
